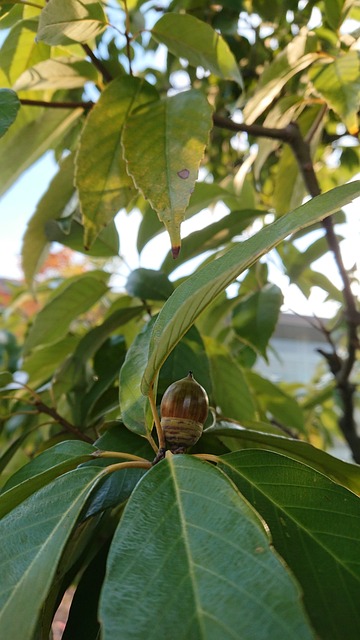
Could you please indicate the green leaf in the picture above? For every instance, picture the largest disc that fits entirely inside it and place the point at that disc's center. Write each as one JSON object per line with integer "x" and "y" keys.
{"x": 164, "y": 143}
{"x": 272, "y": 399}
{"x": 200, "y": 289}
{"x": 57, "y": 73}
{"x": 255, "y": 318}
{"x": 204, "y": 194}
{"x": 20, "y": 50}
{"x": 190, "y": 38}
{"x": 51, "y": 206}
{"x": 19, "y": 152}
{"x": 230, "y": 388}
{"x": 207, "y": 554}
{"x": 9, "y": 106}
{"x": 41, "y": 363}
{"x": 117, "y": 487}
{"x": 106, "y": 244}
{"x": 211, "y": 237}
{"x": 290, "y": 61}
{"x": 101, "y": 177}
{"x": 63, "y": 21}
{"x": 134, "y": 407}
{"x": 339, "y": 83}
{"x": 70, "y": 373}
{"x": 41, "y": 470}
{"x": 315, "y": 526}
{"x": 148, "y": 284}
{"x": 237, "y": 437}
{"x": 33, "y": 537}
{"x": 52, "y": 322}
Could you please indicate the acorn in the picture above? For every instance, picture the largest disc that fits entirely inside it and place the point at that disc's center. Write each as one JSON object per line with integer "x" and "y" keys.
{"x": 184, "y": 408}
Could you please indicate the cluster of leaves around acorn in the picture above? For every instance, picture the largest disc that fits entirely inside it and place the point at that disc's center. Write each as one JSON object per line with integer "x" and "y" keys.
{"x": 247, "y": 534}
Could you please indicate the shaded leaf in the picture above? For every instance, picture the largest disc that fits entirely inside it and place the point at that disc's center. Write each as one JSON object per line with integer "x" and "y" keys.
{"x": 33, "y": 537}
{"x": 314, "y": 525}
{"x": 242, "y": 437}
{"x": 106, "y": 244}
{"x": 101, "y": 177}
{"x": 164, "y": 143}
{"x": 134, "y": 407}
{"x": 9, "y": 106}
{"x": 230, "y": 388}
{"x": 63, "y": 21}
{"x": 41, "y": 470}
{"x": 190, "y": 38}
{"x": 149, "y": 284}
{"x": 52, "y": 322}
{"x": 51, "y": 206}
{"x": 273, "y": 400}
{"x": 72, "y": 370}
{"x": 255, "y": 317}
{"x": 185, "y": 521}
{"x": 196, "y": 293}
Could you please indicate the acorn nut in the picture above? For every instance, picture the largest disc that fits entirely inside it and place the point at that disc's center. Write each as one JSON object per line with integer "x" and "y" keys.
{"x": 184, "y": 409}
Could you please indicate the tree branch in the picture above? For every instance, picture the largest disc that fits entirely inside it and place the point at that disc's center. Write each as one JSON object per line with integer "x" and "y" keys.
{"x": 49, "y": 411}
{"x": 291, "y": 134}
{"x": 57, "y": 105}
{"x": 97, "y": 63}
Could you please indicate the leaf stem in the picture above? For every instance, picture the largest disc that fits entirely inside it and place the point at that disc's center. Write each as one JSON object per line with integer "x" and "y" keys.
{"x": 117, "y": 454}
{"x": 131, "y": 464}
{"x": 159, "y": 431}
{"x": 209, "y": 457}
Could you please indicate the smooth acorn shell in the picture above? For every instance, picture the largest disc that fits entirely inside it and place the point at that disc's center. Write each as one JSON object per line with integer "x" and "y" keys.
{"x": 184, "y": 408}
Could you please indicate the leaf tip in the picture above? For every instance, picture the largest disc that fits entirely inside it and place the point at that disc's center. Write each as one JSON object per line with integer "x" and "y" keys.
{"x": 175, "y": 250}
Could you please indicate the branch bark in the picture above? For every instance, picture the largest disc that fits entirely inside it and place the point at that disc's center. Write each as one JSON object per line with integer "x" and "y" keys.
{"x": 291, "y": 134}
{"x": 49, "y": 411}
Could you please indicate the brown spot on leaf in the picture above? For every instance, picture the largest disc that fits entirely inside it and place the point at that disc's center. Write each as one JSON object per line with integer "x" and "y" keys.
{"x": 175, "y": 252}
{"x": 183, "y": 174}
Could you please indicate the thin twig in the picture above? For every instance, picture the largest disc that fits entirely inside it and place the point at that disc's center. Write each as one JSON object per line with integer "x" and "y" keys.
{"x": 50, "y": 411}
{"x": 291, "y": 134}
{"x": 57, "y": 105}
{"x": 97, "y": 63}
{"x": 159, "y": 431}
{"x": 128, "y": 36}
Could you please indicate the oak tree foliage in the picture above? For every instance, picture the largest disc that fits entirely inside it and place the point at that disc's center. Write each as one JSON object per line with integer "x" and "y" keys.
{"x": 247, "y": 112}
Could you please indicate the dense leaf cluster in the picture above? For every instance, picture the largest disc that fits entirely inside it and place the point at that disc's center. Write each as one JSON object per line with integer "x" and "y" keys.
{"x": 239, "y": 109}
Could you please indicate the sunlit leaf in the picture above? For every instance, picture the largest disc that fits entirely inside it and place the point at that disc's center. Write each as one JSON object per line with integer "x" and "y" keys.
{"x": 57, "y": 73}
{"x": 193, "y": 39}
{"x": 63, "y": 21}
{"x": 101, "y": 177}
{"x": 19, "y": 152}
{"x": 164, "y": 143}
{"x": 339, "y": 83}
